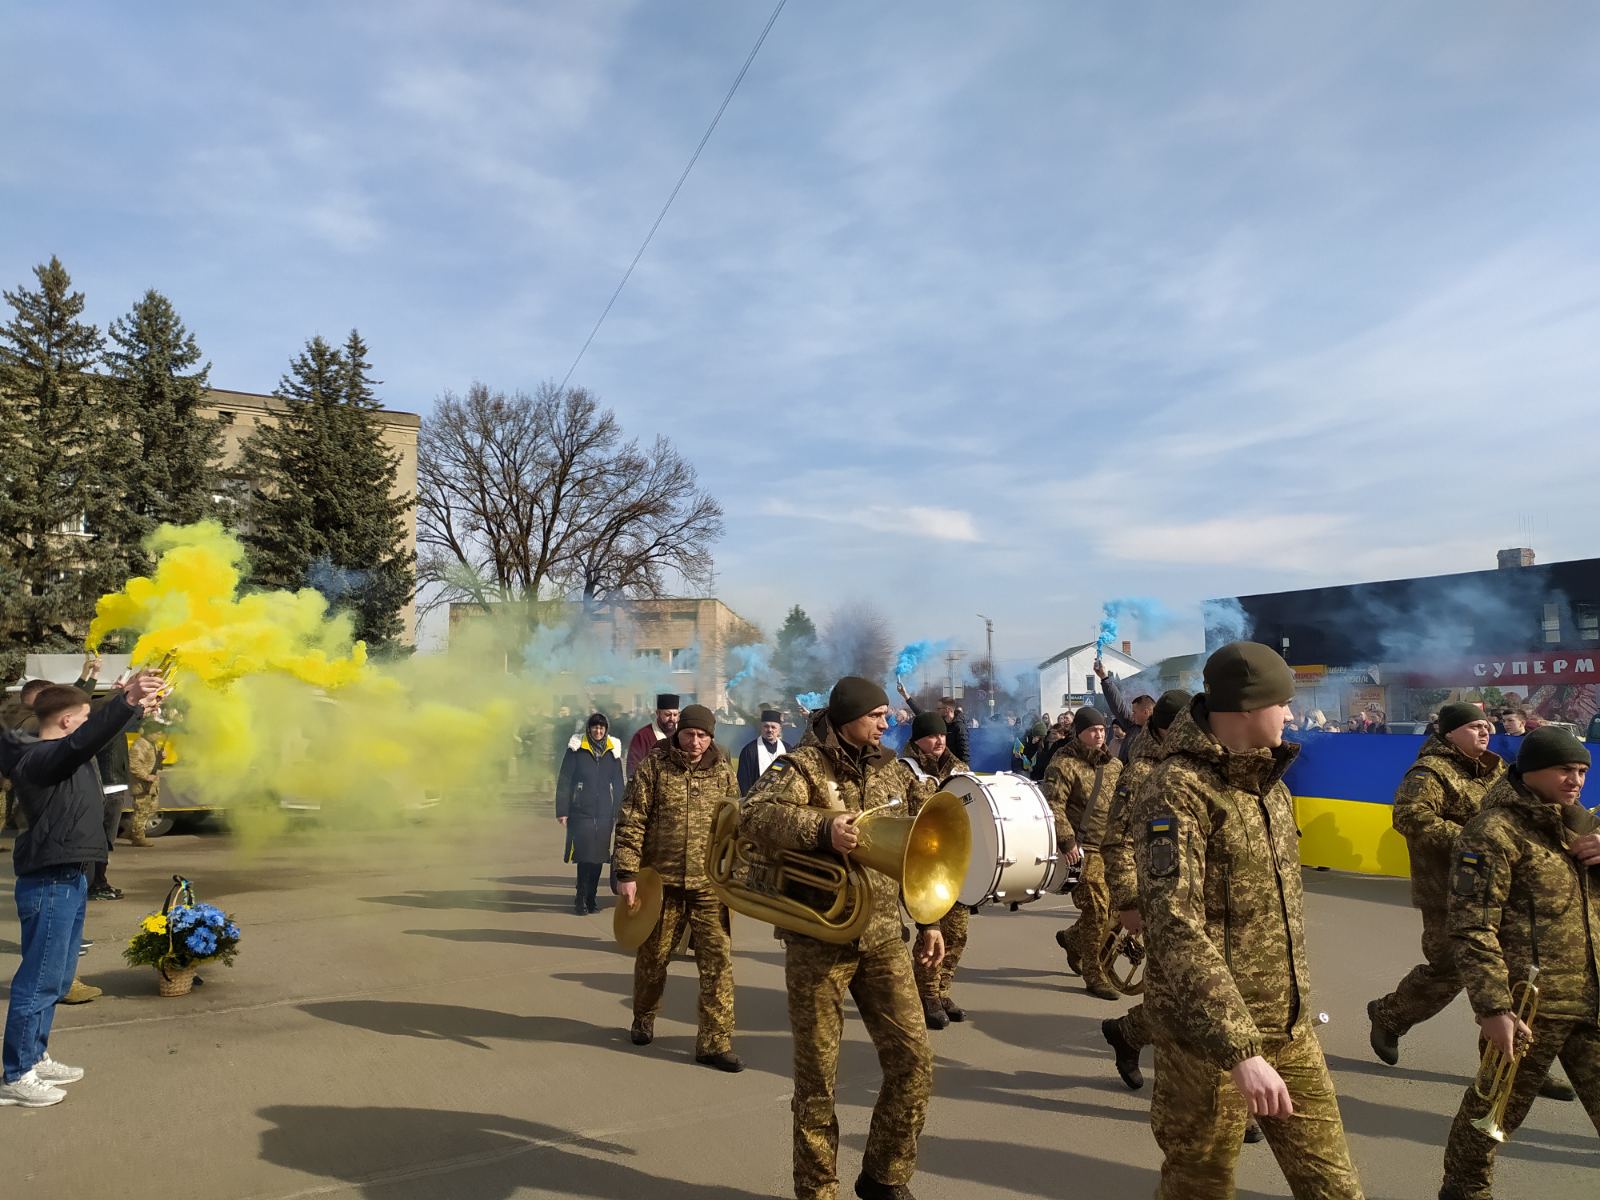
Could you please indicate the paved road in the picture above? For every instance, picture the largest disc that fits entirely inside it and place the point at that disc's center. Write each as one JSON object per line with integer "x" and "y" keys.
{"x": 422, "y": 1016}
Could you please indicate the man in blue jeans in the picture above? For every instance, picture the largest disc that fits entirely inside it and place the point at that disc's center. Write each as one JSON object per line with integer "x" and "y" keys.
{"x": 58, "y": 788}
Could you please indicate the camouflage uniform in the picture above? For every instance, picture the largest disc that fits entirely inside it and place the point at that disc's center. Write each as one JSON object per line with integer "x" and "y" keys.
{"x": 144, "y": 766}
{"x": 1516, "y": 899}
{"x": 665, "y": 824}
{"x": 791, "y": 807}
{"x": 922, "y": 778}
{"x": 1438, "y": 795}
{"x": 1218, "y": 862}
{"x": 1116, "y": 848}
{"x": 1078, "y": 786}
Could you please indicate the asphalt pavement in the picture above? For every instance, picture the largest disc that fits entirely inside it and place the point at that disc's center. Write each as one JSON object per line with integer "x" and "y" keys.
{"x": 420, "y": 1015}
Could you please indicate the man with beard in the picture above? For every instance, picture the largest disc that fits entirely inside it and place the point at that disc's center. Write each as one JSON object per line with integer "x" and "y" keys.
{"x": 658, "y": 731}
{"x": 764, "y": 750}
{"x": 927, "y": 765}
{"x": 1078, "y": 786}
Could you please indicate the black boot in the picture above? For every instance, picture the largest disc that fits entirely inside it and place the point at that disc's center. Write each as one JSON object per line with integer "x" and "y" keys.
{"x": 1127, "y": 1054}
{"x": 868, "y": 1188}
{"x": 1384, "y": 1044}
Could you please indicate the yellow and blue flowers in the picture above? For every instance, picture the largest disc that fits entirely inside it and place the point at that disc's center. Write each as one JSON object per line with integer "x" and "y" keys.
{"x": 185, "y": 935}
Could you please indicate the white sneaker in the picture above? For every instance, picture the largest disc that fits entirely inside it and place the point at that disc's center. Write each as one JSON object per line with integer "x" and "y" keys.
{"x": 56, "y": 1074}
{"x": 30, "y": 1092}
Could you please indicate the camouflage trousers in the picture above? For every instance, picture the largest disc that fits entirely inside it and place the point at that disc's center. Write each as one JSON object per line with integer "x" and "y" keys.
{"x": 1135, "y": 1027}
{"x": 1198, "y": 1117}
{"x": 1428, "y": 987}
{"x": 1093, "y": 926}
{"x": 934, "y": 983}
{"x": 880, "y": 981}
{"x": 146, "y": 804}
{"x": 1469, "y": 1155}
{"x": 713, "y": 958}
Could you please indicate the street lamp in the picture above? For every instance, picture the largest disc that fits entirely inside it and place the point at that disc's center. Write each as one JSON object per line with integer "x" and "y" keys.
{"x": 988, "y": 633}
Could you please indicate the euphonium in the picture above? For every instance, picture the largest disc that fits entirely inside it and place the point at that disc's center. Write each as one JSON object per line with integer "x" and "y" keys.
{"x": 1497, "y": 1074}
{"x": 829, "y": 897}
{"x": 1121, "y": 944}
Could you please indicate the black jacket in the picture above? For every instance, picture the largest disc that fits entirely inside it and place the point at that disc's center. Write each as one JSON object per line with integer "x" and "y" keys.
{"x": 589, "y": 794}
{"x": 956, "y": 739}
{"x": 58, "y": 787}
{"x": 750, "y": 763}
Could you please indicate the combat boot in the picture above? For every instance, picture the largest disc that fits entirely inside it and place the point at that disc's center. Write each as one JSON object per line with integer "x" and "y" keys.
{"x": 1252, "y": 1132}
{"x": 870, "y": 1189}
{"x": 80, "y": 993}
{"x": 724, "y": 1060}
{"x": 933, "y": 1013}
{"x": 1127, "y": 1054}
{"x": 643, "y": 1031}
{"x": 1064, "y": 940}
{"x": 1555, "y": 1088}
{"x": 1384, "y": 1044}
{"x": 951, "y": 1009}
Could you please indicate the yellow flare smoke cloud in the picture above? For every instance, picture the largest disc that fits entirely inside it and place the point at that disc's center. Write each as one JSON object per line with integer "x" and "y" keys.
{"x": 278, "y": 707}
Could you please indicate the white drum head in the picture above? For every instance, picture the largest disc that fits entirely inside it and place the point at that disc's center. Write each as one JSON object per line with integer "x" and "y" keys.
{"x": 983, "y": 869}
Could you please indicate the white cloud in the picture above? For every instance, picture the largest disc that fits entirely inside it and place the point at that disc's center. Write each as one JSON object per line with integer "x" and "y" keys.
{"x": 936, "y": 524}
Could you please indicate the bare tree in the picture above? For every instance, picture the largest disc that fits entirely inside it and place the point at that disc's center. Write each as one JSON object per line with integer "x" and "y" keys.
{"x": 523, "y": 497}
{"x": 857, "y": 640}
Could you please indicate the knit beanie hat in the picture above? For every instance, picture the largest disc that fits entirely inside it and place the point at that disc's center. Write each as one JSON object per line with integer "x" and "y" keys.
{"x": 854, "y": 697}
{"x": 1168, "y": 707}
{"x": 698, "y": 716}
{"x": 1245, "y": 676}
{"x": 1085, "y": 717}
{"x": 928, "y": 724}
{"x": 1458, "y": 713}
{"x": 1548, "y": 746}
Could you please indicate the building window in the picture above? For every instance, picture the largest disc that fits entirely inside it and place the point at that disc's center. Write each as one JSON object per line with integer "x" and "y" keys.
{"x": 1589, "y": 622}
{"x": 647, "y": 656}
{"x": 1552, "y": 623}
{"x": 77, "y": 526}
{"x": 685, "y": 659}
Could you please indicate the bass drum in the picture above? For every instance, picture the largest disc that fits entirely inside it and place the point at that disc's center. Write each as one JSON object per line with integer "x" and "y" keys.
{"x": 1013, "y": 839}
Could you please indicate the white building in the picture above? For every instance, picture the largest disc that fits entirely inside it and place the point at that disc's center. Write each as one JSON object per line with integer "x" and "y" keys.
{"x": 1068, "y": 679}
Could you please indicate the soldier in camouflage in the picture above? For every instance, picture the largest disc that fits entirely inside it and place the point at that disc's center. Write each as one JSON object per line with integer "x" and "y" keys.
{"x": 1227, "y": 986}
{"x": 1078, "y": 785}
{"x": 144, "y": 784}
{"x": 1525, "y": 893}
{"x": 926, "y": 765}
{"x": 665, "y": 824}
{"x": 805, "y": 801}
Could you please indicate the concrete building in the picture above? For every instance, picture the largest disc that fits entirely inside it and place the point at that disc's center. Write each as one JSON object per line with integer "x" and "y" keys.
{"x": 242, "y": 412}
{"x": 1068, "y": 679}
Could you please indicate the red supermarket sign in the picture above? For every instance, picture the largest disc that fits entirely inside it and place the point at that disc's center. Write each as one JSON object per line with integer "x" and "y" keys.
{"x": 1556, "y": 667}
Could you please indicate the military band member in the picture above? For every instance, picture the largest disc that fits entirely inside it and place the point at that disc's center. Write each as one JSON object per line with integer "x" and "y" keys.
{"x": 807, "y": 800}
{"x": 665, "y": 824}
{"x": 1523, "y": 894}
{"x": 928, "y": 764}
{"x": 1227, "y": 984}
{"x": 1078, "y": 786}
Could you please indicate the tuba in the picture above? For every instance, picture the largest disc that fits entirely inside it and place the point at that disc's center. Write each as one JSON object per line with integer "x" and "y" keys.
{"x": 828, "y": 896}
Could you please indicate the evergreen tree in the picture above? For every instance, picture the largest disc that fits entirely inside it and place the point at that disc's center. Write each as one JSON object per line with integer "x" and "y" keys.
{"x": 796, "y": 658}
{"x": 156, "y": 371}
{"x": 64, "y": 454}
{"x": 320, "y": 509}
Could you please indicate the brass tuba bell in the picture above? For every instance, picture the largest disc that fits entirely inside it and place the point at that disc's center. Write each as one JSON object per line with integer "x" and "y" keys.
{"x": 829, "y": 897}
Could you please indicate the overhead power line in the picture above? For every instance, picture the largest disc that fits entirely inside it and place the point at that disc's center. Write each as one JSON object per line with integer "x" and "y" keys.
{"x": 676, "y": 188}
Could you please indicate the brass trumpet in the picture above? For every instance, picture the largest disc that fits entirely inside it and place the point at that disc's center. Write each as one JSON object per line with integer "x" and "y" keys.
{"x": 830, "y": 898}
{"x": 1122, "y": 947}
{"x": 1497, "y": 1074}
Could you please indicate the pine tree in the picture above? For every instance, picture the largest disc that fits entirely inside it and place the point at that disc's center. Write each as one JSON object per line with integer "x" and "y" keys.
{"x": 64, "y": 455}
{"x": 796, "y": 659}
{"x": 152, "y": 366}
{"x": 320, "y": 510}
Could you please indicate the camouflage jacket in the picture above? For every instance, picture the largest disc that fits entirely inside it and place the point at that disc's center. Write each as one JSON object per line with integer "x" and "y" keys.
{"x": 1116, "y": 847}
{"x": 1218, "y": 861}
{"x": 793, "y": 804}
{"x": 1078, "y": 786}
{"x": 1516, "y": 899}
{"x": 667, "y": 811}
{"x": 921, "y": 778}
{"x": 1441, "y": 792}
{"x": 144, "y": 761}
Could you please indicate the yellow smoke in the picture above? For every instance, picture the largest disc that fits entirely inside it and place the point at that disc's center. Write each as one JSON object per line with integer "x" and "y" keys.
{"x": 278, "y": 709}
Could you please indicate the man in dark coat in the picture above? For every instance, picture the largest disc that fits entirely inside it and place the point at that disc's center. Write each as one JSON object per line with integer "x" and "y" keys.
{"x": 653, "y": 734}
{"x": 588, "y": 799}
{"x": 763, "y": 750}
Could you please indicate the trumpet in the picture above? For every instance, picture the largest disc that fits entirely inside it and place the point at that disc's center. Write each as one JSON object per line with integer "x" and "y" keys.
{"x": 1497, "y": 1074}
{"x": 830, "y": 898}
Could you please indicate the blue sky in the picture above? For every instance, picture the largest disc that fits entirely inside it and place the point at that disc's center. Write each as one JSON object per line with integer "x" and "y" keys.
{"x": 1004, "y": 308}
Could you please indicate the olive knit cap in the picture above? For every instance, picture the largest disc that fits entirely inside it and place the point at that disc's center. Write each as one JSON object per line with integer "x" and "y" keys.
{"x": 928, "y": 724}
{"x": 853, "y": 697}
{"x": 1548, "y": 746}
{"x": 1245, "y": 676}
{"x": 698, "y": 716}
{"x": 1168, "y": 707}
{"x": 1085, "y": 717}
{"x": 1458, "y": 713}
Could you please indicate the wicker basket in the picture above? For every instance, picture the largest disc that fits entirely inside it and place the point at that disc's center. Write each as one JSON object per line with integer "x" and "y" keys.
{"x": 176, "y": 981}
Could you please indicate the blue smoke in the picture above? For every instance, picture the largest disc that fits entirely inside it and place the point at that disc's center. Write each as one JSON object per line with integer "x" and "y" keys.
{"x": 1150, "y": 615}
{"x": 751, "y": 660}
{"x": 917, "y": 653}
{"x": 812, "y": 701}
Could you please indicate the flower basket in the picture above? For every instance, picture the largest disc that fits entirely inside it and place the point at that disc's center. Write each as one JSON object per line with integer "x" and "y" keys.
{"x": 182, "y": 936}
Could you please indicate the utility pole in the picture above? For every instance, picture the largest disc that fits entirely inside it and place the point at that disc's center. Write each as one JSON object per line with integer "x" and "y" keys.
{"x": 950, "y": 659}
{"x": 988, "y": 633}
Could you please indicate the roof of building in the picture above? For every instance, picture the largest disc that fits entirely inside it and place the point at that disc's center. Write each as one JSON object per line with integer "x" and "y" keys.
{"x": 228, "y": 398}
{"x": 1071, "y": 650}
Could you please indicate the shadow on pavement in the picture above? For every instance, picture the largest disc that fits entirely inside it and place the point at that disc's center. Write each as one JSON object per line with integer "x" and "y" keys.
{"x": 595, "y": 937}
{"x": 479, "y": 901}
{"x": 458, "y": 1023}
{"x": 1042, "y": 1030}
{"x": 1030, "y": 1089}
{"x": 1013, "y": 977}
{"x": 1021, "y": 1170}
{"x": 1362, "y": 1066}
{"x": 566, "y": 883}
{"x": 1432, "y": 1128}
{"x": 399, "y": 1152}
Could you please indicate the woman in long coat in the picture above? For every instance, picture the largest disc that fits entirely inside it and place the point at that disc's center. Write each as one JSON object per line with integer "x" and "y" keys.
{"x": 588, "y": 799}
